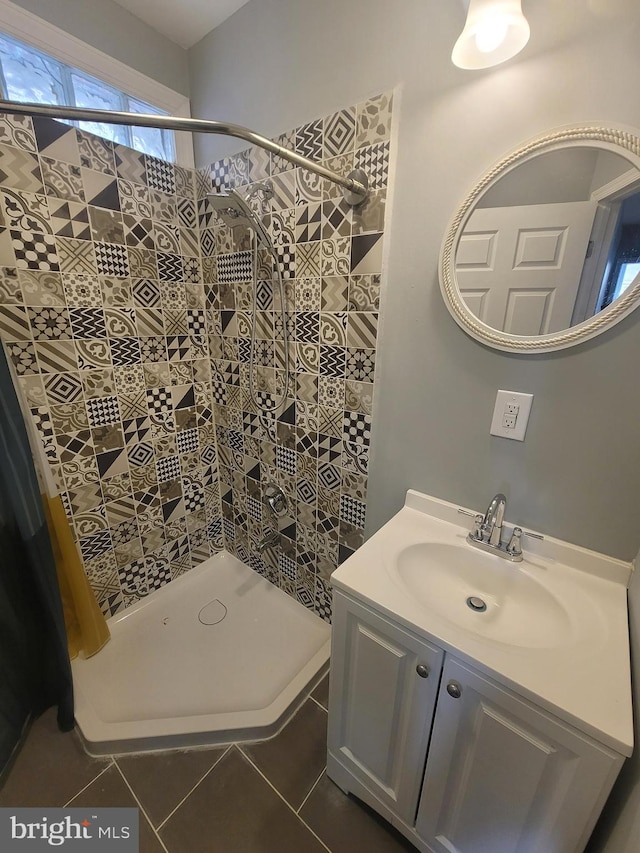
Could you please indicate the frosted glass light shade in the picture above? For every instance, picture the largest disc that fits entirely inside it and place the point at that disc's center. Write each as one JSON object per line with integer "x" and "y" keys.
{"x": 495, "y": 30}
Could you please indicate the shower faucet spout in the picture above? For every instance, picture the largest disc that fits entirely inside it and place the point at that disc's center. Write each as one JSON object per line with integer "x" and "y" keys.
{"x": 269, "y": 540}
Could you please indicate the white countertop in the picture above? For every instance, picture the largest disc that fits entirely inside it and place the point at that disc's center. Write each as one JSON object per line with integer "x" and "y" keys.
{"x": 585, "y": 682}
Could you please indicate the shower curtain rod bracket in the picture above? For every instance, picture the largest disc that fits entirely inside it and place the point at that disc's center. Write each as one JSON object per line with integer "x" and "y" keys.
{"x": 354, "y": 187}
{"x": 358, "y": 176}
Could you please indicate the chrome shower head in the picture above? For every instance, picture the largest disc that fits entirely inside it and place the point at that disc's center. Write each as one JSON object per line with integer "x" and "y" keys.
{"x": 234, "y": 211}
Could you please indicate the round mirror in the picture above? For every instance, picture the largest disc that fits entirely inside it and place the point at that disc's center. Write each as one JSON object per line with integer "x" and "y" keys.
{"x": 544, "y": 253}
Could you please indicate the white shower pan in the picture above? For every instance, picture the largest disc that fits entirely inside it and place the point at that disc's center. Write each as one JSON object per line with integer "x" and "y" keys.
{"x": 216, "y": 656}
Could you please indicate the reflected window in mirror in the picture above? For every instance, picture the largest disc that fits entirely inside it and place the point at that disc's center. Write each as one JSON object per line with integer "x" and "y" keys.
{"x": 623, "y": 265}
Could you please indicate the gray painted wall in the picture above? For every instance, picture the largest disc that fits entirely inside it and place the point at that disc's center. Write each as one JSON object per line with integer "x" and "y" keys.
{"x": 278, "y": 63}
{"x": 108, "y": 27}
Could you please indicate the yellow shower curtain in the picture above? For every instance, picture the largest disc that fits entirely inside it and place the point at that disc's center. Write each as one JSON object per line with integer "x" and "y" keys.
{"x": 87, "y": 630}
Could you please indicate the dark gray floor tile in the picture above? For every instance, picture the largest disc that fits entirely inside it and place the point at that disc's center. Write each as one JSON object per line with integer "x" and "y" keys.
{"x": 160, "y": 780}
{"x": 110, "y": 790}
{"x": 293, "y": 759}
{"x": 51, "y": 767}
{"x": 234, "y": 809}
{"x": 345, "y": 825}
{"x": 321, "y": 693}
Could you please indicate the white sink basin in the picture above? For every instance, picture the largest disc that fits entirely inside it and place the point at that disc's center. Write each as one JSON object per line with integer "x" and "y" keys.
{"x": 555, "y": 628}
{"x": 519, "y": 611}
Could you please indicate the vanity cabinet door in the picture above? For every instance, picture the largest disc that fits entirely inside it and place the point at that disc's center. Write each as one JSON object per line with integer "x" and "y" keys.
{"x": 384, "y": 684}
{"x": 503, "y": 776}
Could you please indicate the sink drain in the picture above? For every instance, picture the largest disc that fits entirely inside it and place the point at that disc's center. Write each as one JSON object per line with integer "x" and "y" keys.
{"x": 476, "y": 604}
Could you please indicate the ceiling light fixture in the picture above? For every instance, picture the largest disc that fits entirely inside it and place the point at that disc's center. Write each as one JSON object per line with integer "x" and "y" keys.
{"x": 495, "y": 30}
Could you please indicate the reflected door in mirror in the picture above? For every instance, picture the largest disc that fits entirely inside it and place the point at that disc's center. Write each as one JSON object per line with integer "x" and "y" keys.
{"x": 519, "y": 267}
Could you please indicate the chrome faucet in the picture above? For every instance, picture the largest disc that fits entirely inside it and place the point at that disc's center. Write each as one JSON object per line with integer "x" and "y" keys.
{"x": 486, "y": 532}
{"x": 491, "y": 528}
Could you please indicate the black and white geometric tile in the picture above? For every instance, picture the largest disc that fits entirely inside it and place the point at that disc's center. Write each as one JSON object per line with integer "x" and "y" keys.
{"x": 352, "y": 511}
{"x": 360, "y": 364}
{"x": 357, "y": 428}
{"x": 146, "y": 293}
{"x": 87, "y": 322}
{"x": 112, "y": 259}
{"x": 49, "y": 323}
{"x": 23, "y": 357}
{"x": 153, "y": 349}
{"x": 309, "y": 140}
{"x": 138, "y": 232}
{"x": 79, "y": 350}
{"x": 103, "y": 410}
{"x": 236, "y": 266}
{"x": 170, "y": 267}
{"x": 160, "y": 174}
{"x": 374, "y": 160}
{"x": 77, "y": 256}
{"x": 35, "y": 251}
{"x": 69, "y": 219}
{"x": 140, "y": 454}
{"x": 95, "y": 545}
{"x": 339, "y": 132}
{"x": 168, "y": 468}
{"x": 308, "y": 223}
{"x": 62, "y": 388}
{"x": 125, "y": 351}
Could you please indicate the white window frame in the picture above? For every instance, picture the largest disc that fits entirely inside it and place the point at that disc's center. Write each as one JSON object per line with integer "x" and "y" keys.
{"x": 34, "y": 31}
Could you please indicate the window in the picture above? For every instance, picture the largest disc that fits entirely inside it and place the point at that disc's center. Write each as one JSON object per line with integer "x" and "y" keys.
{"x": 28, "y": 74}
{"x": 626, "y": 277}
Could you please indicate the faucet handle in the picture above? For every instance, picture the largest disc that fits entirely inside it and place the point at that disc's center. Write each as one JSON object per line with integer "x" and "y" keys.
{"x": 515, "y": 543}
{"x": 476, "y": 530}
{"x": 478, "y": 518}
{"x": 275, "y": 499}
{"x": 466, "y": 512}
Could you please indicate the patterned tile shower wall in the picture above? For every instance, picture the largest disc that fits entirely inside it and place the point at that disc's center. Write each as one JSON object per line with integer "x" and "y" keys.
{"x": 102, "y": 311}
{"x": 316, "y": 446}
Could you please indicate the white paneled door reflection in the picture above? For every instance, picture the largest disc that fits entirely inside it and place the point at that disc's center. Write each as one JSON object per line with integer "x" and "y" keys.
{"x": 519, "y": 268}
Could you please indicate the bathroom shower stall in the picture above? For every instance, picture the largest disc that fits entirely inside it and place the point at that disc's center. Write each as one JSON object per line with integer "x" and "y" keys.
{"x": 175, "y": 365}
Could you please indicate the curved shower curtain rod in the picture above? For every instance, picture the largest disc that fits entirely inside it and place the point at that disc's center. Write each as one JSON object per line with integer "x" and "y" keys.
{"x": 354, "y": 185}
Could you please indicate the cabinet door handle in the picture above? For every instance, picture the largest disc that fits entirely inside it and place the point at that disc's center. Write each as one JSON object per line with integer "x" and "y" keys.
{"x": 454, "y": 690}
{"x": 422, "y": 670}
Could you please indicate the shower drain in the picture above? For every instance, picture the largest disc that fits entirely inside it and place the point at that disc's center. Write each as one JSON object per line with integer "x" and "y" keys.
{"x": 476, "y": 604}
{"x": 212, "y": 613}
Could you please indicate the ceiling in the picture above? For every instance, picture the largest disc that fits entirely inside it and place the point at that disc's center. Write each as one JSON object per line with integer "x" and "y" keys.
{"x": 182, "y": 21}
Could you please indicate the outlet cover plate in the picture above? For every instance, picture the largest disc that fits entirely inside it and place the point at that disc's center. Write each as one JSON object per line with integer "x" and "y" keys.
{"x": 523, "y": 401}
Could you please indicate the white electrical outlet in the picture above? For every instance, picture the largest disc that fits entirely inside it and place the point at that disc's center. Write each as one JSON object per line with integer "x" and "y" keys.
{"x": 511, "y": 414}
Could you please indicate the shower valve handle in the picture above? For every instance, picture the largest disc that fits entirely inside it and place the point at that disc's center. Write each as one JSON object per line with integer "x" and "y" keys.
{"x": 275, "y": 499}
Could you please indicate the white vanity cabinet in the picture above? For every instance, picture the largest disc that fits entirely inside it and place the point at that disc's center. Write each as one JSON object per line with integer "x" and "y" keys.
{"x": 457, "y": 762}
{"x": 384, "y": 685}
{"x": 503, "y": 776}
